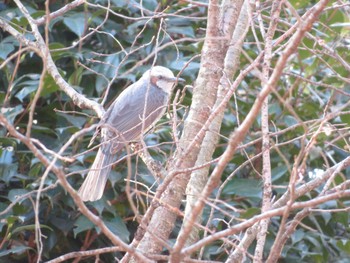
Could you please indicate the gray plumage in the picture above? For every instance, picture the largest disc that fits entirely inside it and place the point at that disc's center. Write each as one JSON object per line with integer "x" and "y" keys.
{"x": 136, "y": 109}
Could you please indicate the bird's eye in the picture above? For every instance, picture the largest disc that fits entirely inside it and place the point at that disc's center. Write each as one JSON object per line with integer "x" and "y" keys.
{"x": 160, "y": 77}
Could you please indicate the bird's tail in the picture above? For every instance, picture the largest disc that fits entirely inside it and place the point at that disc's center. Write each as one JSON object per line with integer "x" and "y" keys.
{"x": 95, "y": 182}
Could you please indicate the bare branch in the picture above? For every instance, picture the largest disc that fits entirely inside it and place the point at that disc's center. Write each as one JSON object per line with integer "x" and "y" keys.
{"x": 63, "y": 181}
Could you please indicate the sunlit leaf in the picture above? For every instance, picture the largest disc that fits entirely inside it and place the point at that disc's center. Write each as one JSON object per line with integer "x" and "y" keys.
{"x": 11, "y": 113}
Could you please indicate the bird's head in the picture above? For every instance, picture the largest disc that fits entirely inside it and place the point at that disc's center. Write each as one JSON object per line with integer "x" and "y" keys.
{"x": 161, "y": 77}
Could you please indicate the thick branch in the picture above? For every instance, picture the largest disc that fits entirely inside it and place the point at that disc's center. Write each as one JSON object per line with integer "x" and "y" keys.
{"x": 203, "y": 101}
{"x": 239, "y": 19}
{"x": 238, "y": 136}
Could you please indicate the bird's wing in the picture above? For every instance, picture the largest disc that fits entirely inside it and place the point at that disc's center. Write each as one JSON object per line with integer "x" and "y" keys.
{"x": 124, "y": 120}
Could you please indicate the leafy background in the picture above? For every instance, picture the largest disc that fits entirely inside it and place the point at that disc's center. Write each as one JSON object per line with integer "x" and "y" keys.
{"x": 125, "y": 42}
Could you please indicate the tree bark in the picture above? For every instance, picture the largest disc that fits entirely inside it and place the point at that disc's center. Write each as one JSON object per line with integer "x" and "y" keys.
{"x": 231, "y": 64}
{"x": 203, "y": 101}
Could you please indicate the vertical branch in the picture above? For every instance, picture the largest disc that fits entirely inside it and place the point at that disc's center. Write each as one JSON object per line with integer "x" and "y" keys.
{"x": 38, "y": 234}
{"x": 238, "y": 17}
{"x": 18, "y": 54}
{"x": 277, "y": 247}
{"x": 266, "y": 166}
{"x": 237, "y": 136}
{"x": 204, "y": 96}
{"x": 186, "y": 173}
{"x": 44, "y": 54}
{"x": 308, "y": 19}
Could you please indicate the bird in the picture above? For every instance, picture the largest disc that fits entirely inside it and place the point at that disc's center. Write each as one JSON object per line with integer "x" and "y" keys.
{"x": 131, "y": 115}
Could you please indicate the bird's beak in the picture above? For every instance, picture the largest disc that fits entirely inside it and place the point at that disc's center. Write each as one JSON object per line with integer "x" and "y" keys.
{"x": 181, "y": 80}
{"x": 176, "y": 80}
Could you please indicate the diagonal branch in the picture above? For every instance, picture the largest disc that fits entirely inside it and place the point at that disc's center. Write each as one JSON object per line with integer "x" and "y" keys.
{"x": 63, "y": 181}
{"x": 41, "y": 49}
{"x": 237, "y": 137}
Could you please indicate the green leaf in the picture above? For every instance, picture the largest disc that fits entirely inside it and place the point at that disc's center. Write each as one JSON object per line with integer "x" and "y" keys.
{"x": 250, "y": 212}
{"x": 108, "y": 70}
{"x": 75, "y": 78}
{"x": 76, "y": 22}
{"x": 118, "y": 227}
{"x": 63, "y": 223}
{"x": 14, "y": 193}
{"x": 342, "y": 218}
{"x": 183, "y": 30}
{"x": 289, "y": 120}
{"x": 25, "y": 91}
{"x": 50, "y": 86}
{"x": 11, "y": 113}
{"x": 278, "y": 172}
{"x": 120, "y": 3}
{"x": 298, "y": 4}
{"x": 14, "y": 250}
{"x": 244, "y": 187}
{"x": 82, "y": 224}
{"x": 8, "y": 170}
{"x": 275, "y": 109}
{"x": 345, "y": 118}
{"x": 115, "y": 177}
{"x": 77, "y": 121}
{"x": 26, "y": 85}
{"x": 99, "y": 205}
{"x": 29, "y": 227}
{"x": 5, "y": 50}
{"x": 4, "y": 206}
{"x": 344, "y": 245}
